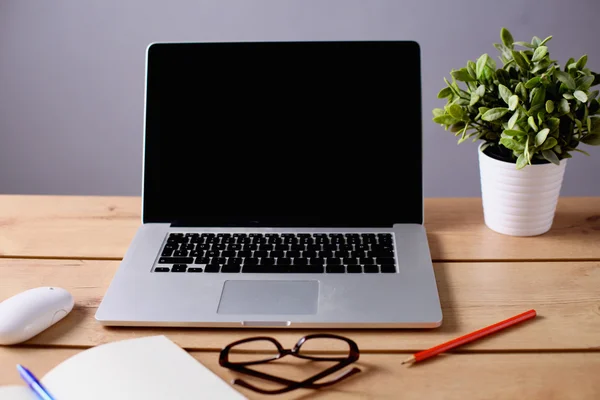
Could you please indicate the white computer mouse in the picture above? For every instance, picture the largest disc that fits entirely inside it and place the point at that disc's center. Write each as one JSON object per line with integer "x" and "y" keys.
{"x": 28, "y": 313}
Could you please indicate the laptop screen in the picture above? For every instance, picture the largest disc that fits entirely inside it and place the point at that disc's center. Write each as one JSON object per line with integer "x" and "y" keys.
{"x": 283, "y": 134}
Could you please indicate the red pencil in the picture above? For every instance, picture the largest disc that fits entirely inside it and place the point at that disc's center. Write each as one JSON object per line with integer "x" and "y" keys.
{"x": 470, "y": 337}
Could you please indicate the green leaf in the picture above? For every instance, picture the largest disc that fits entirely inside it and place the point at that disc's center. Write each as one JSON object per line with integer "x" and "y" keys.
{"x": 581, "y": 96}
{"x": 445, "y": 119}
{"x": 553, "y": 124}
{"x": 593, "y": 124}
{"x": 582, "y": 151}
{"x": 521, "y": 161}
{"x": 568, "y": 96}
{"x": 505, "y": 92}
{"x": 531, "y": 122}
{"x": 511, "y": 144}
{"x": 536, "y": 41}
{"x": 513, "y": 132}
{"x": 538, "y": 95}
{"x": 539, "y": 53}
{"x": 593, "y": 139}
{"x": 518, "y": 57}
{"x": 483, "y": 110}
{"x": 563, "y": 106}
{"x": 549, "y": 143}
{"x": 533, "y": 82}
{"x": 541, "y": 66}
{"x": 480, "y": 66}
{"x": 524, "y": 44}
{"x": 545, "y": 40}
{"x": 549, "y": 106}
{"x": 551, "y": 156}
{"x": 494, "y": 114}
{"x": 521, "y": 91}
{"x": 438, "y": 111}
{"x": 456, "y": 111}
{"x": 513, "y": 120}
{"x": 471, "y": 69}
{"x": 506, "y": 37}
{"x": 585, "y": 82}
{"x": 593, "y": 94}
{"x": 474, "y": 98}
{"x": 582, "y": 61}
{"x": 541, "y": 136}
{"x": 579, "y": 125}
{"x": 513, "y": 102}
{"x": 457, "y": 127}
{"x": 565, "y": 78}
{"x": 480, "y": 90}
{"x": 594, "y": 107}
{"x": 557, "y": 149}
{"x": 462, "y": 75}
{"x": 445, "y": 92}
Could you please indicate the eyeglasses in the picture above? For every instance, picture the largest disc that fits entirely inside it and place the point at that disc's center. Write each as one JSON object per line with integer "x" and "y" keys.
{"x": 349, "y": 355}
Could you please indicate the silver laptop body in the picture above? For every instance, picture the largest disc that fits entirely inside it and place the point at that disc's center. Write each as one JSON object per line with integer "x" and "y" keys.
{"x": 282, "y": 188}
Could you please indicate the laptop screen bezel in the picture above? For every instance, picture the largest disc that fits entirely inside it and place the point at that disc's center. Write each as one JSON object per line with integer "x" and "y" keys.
{"x": 152, "y": 212}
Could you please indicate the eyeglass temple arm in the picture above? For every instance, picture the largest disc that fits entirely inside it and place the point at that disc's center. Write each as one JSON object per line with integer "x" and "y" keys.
{"x": 308, "y": 383}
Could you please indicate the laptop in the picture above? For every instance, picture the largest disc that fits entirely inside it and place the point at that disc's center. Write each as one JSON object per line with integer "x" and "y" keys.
{"x": 282, "y": 187}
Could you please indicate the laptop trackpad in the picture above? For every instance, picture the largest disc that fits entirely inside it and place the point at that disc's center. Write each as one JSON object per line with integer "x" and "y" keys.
{"x": 269, "y": 297}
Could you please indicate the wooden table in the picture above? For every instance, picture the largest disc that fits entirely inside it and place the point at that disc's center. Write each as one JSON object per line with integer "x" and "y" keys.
{"x": 483, "y": 277}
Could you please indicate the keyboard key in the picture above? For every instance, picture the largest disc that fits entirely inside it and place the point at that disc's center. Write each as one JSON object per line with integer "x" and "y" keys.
{"x": 230, "y": 268}
{"x": 335, "y": 269}
{"x": 175, "y": 260}
{"x": 333, "y": 261}
{"x": 284, "y": 261}
{"x": 167, "y": 253}
{"x": 212, "y": 268}
{"x": 161, "y": 269}
{"x": 180, "y": 253}
{"x": 250, "y": 261}
{"x": 388, "y": 268}
{"x": 354, "y": 269}
{"x": 385, "y": 260}
{"x": 195, "y": 269}
{"x": 267, "y": 261}
{"x": 202, "y": 260}
{"x": 300, "y": 261}
{"x": 350, "y": 260}
{"x": 367, "y": 260}
{"x": 316, "y": 261}
{"x": 179, "y": 268}
{"x": 371, "y": 269}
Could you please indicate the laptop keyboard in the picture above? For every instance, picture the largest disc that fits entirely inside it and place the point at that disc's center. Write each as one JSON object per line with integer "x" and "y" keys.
{"x": 350, "y": 253}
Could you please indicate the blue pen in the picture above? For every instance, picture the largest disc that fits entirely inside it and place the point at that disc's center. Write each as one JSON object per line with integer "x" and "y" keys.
{"x": 33, "y": 383}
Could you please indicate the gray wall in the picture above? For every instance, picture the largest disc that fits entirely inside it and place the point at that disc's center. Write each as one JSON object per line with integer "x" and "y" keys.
{"x": 71, "y": 75}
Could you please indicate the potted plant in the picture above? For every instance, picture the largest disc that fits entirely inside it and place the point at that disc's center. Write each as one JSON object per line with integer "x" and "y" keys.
{"x": 530, "y": 114}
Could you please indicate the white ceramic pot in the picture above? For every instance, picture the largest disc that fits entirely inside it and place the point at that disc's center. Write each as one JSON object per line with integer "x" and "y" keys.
{"x": 519, "y": 202}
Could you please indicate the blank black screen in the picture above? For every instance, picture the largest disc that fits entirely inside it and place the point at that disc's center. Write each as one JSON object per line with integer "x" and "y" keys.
{"x": 283, "y": 134}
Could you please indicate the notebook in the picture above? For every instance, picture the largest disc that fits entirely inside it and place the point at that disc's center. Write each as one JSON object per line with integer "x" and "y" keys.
{"x": 149, "y": 368}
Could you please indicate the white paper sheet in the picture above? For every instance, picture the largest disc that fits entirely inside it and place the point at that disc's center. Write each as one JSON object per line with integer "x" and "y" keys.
{"x": 150, "y": 368}
{"x": 16, "y": 393}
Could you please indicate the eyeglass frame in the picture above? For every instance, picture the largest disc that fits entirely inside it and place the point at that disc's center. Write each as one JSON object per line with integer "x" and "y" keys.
{"x": 309, "y": 383}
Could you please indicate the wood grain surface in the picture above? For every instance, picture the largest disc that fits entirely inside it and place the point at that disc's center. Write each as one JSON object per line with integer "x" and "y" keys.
{"x": 473, "y": 295}
{"x": 102, "y": 227}
{"x": 483, "y": 277}
{"x": 551, "y": 376}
